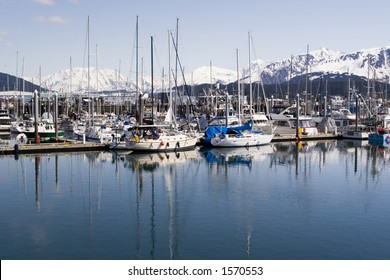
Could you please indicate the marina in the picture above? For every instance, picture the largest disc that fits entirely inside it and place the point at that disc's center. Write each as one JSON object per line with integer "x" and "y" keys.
{"x": 194, "y": 138}
{"x": 135, "y": 150}
{"x": 307, "y": 200}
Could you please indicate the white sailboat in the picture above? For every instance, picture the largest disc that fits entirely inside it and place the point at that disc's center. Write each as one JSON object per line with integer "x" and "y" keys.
{"x": 244, "y": 136}
{"x": 152, "y": 138}
{"x": 156, "y": 139}
{"x": 356, "y": 131}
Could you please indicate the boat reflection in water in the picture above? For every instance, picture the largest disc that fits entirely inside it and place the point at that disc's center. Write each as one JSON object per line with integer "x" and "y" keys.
{"x": 158, "y": 171}
{"x": 305, "y": 200}
{"x": 236, "y": 156}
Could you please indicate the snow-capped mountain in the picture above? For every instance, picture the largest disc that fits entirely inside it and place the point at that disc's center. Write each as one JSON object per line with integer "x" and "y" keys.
{"x": 327, "y": 62}
{"x": 317, "y": 61}
{"x": 206, "y": 74}
{"x": 76, "y": 80}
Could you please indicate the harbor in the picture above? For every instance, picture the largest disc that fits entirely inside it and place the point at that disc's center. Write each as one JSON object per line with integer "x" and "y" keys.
{"x": 195, "y": 139}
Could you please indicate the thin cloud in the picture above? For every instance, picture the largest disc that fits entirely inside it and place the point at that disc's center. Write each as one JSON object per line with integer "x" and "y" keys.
{"x": 6, "y": 43}
{"x": 52, "y": 19}
{"x": 45, "y": 2}
{"x": 3, "y": 38}
{"x": 3, "y": 32}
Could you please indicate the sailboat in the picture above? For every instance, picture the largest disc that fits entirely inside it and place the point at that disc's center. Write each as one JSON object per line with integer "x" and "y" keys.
{"x": 224, "y": 120}
{"x": 159, "y": 138}
{"x": 356, "y": 131}
{"x": 244, "y": 136}
{"x": 93, "y": 132}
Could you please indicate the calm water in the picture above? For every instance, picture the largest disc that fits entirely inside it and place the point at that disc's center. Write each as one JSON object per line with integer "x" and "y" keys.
{"x": 319, "y": 200}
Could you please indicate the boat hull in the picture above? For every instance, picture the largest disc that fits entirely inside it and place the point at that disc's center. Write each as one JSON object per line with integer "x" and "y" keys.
{"x": 162, "y": 144}
{"x": 44, "y": 136}
{"x": 358, "y": 135}
{"x": 379, "y": 139}
{"x": 242, "y": 141}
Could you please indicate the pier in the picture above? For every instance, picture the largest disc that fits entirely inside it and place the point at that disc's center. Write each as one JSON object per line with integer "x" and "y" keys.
{"x": 291, "y": 137}
{"x": 70, "y": 145}
{"x": 63, "y": 147}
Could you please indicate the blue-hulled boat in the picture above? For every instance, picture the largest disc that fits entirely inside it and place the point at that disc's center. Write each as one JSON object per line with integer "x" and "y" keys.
{"x": 379, "y": 139}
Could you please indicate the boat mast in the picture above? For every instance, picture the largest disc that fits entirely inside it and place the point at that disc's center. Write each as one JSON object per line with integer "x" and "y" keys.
{"x": 211, "y": 91}
{"x": 69, "y": 86}
{"x": 289, "y": 78}
{"x": 39, "y": 111}
{"x": 307, "y": 79}
{"x": 17, "y": 84}
{"x": 250, "y": 76}
{"x": 151, "y": 52}
{"x": 176, "y": 45}
{"x": 138, "y": 95}
{"x": 97, "y": 77}
{"x": 23, "y": 87}
{"x": 170, "y": 109}
{"x": 238, "y": 89}
{"x": 88, "y": 77}
{"x": 368, "y": 76}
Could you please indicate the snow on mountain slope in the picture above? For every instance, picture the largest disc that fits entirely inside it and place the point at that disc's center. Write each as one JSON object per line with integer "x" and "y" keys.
{"x": 76, "y": 80}
{"x": 322, "y": 60}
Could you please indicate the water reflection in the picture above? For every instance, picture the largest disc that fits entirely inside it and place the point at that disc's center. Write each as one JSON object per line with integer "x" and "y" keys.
{"x": 146, "y": 167}
{"x": 150, "y": 162}
{"x": 37, "y": 171}
{"x": 275, "y": 201}
{"x": 358, "y": 156}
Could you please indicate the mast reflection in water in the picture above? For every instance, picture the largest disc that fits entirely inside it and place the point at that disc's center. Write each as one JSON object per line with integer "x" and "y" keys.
{"x": 310, "y": 200}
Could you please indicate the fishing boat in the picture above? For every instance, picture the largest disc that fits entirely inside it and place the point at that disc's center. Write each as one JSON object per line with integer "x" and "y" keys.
{"x": 285, "y": 123}
{"x": 379, "y": 139}
{"x": 46, "y": 130}
{"x": 382, "y": 136}
{"x": 5, "y": 122}
{"x": 357, "y": 131}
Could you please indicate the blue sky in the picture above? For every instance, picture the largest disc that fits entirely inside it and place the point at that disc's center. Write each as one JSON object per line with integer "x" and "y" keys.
{"x": 47, "y": 33}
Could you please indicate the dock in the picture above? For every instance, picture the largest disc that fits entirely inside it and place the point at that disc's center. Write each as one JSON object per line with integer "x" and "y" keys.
{"x": 42, "y": 148}
{"x": 292, "y": 137}
{"x": 71, "y": 145}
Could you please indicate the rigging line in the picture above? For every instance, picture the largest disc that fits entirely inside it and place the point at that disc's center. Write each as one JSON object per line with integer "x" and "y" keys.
{"x": 157, "y": 58}
{"x": 253, "y": 47}
{"x": 85, "y": 52}
{"x": 132, "y": 56}
{"x": 176, "y": 86}
{"x": 182, "y": 72}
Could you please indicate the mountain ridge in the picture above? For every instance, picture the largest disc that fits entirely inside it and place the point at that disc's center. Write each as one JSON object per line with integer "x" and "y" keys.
{"x": 322, "y": 60}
